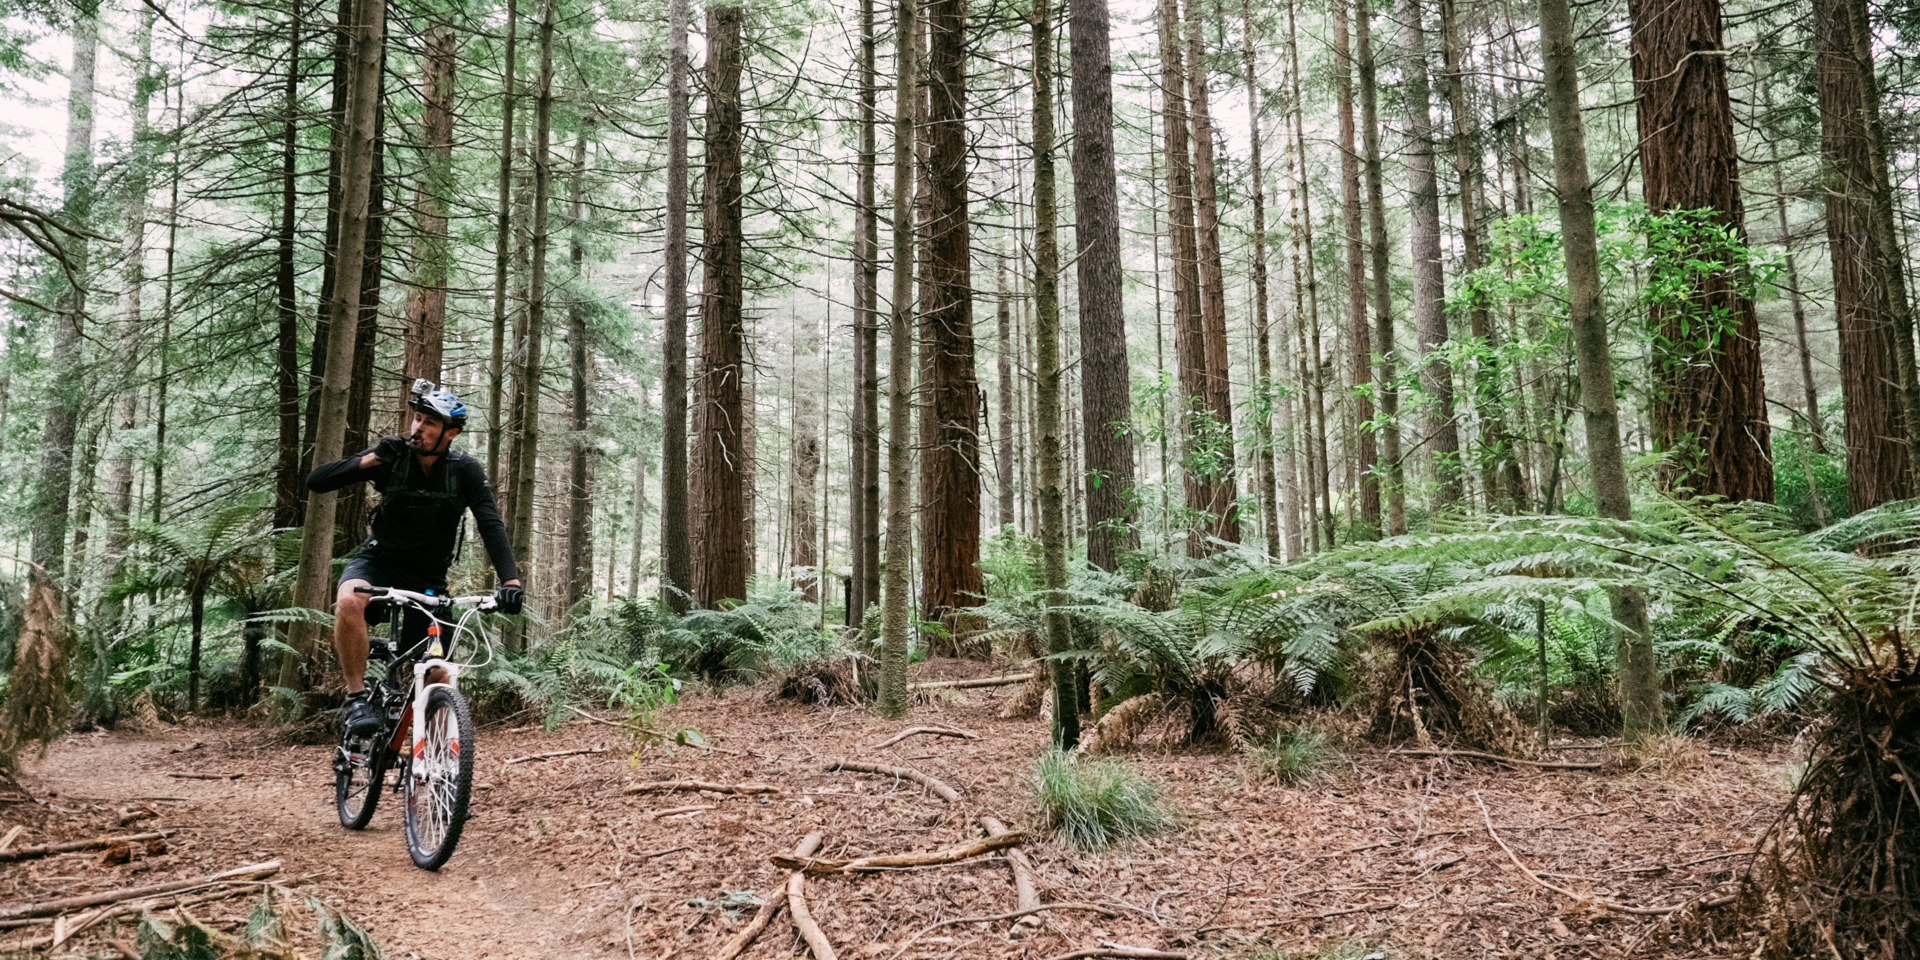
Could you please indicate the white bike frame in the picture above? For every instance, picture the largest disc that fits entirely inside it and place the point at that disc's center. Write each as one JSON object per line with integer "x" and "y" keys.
{"x": 436, "y": 653}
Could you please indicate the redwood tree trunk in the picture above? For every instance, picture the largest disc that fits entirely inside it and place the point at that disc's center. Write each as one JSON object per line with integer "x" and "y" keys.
{"x": 525, "y": 427}
{"x": 1709, "y": 404}
{"x": 1188, "y": 333}
{"x": 580, "y": 370}
{"x": 1429, "y": 288}
{"x": 720, "y": 567}
{"x": 1223, "y": 503}
{"x": 863, "y": 514}
{"x": 676, "y": 558}
{"x": 1263, "y": 346}
{"x": 951, "y": 498}
{"x": 1359, "y": 346}
{"x": 1392, "y": 477}
{"x": 289, "y": 483}
{"x": 1878, "y": 466}
{"x": 1105, "y": 382}
{"x": 426, "y": 310}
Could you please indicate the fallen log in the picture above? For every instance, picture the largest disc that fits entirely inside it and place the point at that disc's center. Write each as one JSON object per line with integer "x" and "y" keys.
{"x": 945, "y": 792}
{"x": 98, "y": 843}
{"x": 954, "y": 732}
{"x": 557, "y": 753}
{"x": 739, "y": 942}
{"x": 1120, "y": 950}
{"x": 897, "y": 861}
{"x": 1026, "y": 888}
{"x": 1516, "y": 761}
{"x": 252, "y": 871}
{"x": 1020, "y": 914}
{"x": 677, "y": 811}
{"x": 803, "y": 918}
{"x": 711, "y": 787}
{"x": 967, "y": 684}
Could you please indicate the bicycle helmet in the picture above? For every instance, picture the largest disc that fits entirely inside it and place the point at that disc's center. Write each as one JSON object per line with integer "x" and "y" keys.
{"x": 439, "y": 403}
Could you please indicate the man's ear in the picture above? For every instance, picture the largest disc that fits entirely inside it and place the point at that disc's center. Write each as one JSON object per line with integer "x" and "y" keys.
{"x": 449, "y": 433}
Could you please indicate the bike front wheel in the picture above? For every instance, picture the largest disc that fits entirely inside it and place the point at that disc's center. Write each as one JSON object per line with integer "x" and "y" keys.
{"x": 439, "y": 780}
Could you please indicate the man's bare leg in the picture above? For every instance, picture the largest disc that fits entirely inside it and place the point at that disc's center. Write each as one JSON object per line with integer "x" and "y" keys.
{"x": 350, "y": 633}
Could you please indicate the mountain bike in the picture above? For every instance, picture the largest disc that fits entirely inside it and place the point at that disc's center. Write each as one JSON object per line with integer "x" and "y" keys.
{"x": 426, "y": 731}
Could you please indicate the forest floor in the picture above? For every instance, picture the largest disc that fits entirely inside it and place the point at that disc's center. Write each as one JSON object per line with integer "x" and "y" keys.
{"x": 1387, "y": 855}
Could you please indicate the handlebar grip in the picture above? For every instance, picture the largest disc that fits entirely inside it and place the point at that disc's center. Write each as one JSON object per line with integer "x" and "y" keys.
{"x": 371, "y": 590}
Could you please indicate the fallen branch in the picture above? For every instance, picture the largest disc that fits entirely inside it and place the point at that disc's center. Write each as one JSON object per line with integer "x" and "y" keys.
{"x": 676, "y": 811}
{"x": 98, "y": 843}
{"x": 711, "y": 787}
{"x": 802, "y": 917}
{"x": 68, "y": 928}
{"x": 12, "y": 835}
{"x": 50, "y": 908}
{"x": 965, "y": 684}
{"x": 1120, "y": 950}
{"x": 895, "y": 861}
{"x": 739, "y": 942}
{"x": 1475, "y": 754}
{"x": 1613, "y": 905}
{"x": 1015, "y": 915}
{"x": 954, "y": 732}
{"x": 206, "y": 776}
{"x": 1026, "y": 890}
{"x": 557, "y": 753}
{"x": 901, "y": 773}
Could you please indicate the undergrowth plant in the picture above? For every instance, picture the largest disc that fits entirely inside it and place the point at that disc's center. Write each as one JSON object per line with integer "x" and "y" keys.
{"x": 1293, "y": 757}
{"x": 1095, "y": 802}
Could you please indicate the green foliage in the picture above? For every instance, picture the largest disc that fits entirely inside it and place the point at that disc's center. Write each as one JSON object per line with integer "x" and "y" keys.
{"x": 642, "y": 690}
{"x": 769, "y": 632}
{"x": 341, "y": 938}
{"x": 1293, "y": 757}
{"x": 593, "y": 658}
{"x": 1793, "y": 460}
{"x": 1095, "y": 802}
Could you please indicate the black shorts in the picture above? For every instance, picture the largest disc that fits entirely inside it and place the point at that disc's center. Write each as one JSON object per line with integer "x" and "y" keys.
{"x": 380, "y": 572}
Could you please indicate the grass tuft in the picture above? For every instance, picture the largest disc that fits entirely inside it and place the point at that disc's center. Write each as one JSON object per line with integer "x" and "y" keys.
{"x": 1094, "y": 802}
{"x": 1294, "y": 757}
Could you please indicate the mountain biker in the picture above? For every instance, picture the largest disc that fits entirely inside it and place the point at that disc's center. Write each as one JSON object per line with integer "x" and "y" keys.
{"x": 425, "y": 486}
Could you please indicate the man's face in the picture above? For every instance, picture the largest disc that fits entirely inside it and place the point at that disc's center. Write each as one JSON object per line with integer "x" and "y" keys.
{"x": 429, "y": 435}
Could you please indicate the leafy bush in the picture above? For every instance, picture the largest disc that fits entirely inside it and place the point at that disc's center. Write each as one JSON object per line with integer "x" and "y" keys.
{"x": 773, "y": 632}
{"x": 1094, "y": 802}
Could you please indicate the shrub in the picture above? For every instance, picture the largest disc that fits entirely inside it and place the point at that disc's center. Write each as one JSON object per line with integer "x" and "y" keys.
{"x": 1293, "y": 757}
{"x": 1094, "y": 802}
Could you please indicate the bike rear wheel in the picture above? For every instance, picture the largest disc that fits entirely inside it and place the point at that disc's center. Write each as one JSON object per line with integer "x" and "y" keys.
{"x": 359, "y": 772}
{"x": 439, "y": 780}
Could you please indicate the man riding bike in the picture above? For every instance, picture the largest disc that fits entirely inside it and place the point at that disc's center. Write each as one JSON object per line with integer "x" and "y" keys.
{"x": 424, "y": 487}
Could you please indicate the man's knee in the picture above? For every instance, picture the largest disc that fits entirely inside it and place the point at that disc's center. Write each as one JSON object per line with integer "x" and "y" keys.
{"x": 346, "y": 601}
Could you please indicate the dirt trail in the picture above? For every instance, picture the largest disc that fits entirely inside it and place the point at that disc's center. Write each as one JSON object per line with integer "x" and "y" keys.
{"x": 491, "y": 901}
{"x": 559, "y": 861}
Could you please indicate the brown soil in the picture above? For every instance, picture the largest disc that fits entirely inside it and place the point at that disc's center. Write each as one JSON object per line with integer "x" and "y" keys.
{"x": 1388, "y": 852}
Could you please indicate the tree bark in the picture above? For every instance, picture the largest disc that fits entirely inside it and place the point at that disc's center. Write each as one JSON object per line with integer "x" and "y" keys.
{"x": 1263, "y": 346}
{"x": 1105, "y": 381}
{"x": 525, "y": 426}
{"x": 1878, "y": 462}
{"x": 1189, "y": 333}
{"x": 289, "y": 483}
{"x": 52, "y": 499}
{"x": 676, "y": 558}
{"x": 580, "y": 370}
{"x": 1499, "y": 464}
{"x": 1640, "y": 707}
{"x": 1709, "y": 403}
{"x": 1392, "y": 476}
{"x": 1311, "y": 372}
{"x": 892, "y": 700}
{"x": 366, "y": 42}
{"x": 802, "y": 518}
{"x": 426, "y": 309}
{"x": 1360, "y": 336}
{"x": 951, "y": 507}
{"x": 863, "y": 514}
{"x": 1816, "y": 430}
{"x": 352, "y": 512}
{"x": 1003, "y": 446}
{"x": 721, "y": 563}
{"x": 639, "y": 510}
{"x": 1429, "y": 288}
{"x": 1046, "y": 302}
{"x": 133, "y": 275}
{"x": 502, "y": 254}
{"x": 1223, "y": 494}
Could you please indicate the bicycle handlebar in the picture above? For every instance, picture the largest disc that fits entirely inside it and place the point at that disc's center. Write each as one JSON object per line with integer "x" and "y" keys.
{"x": 486, "y": 601}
